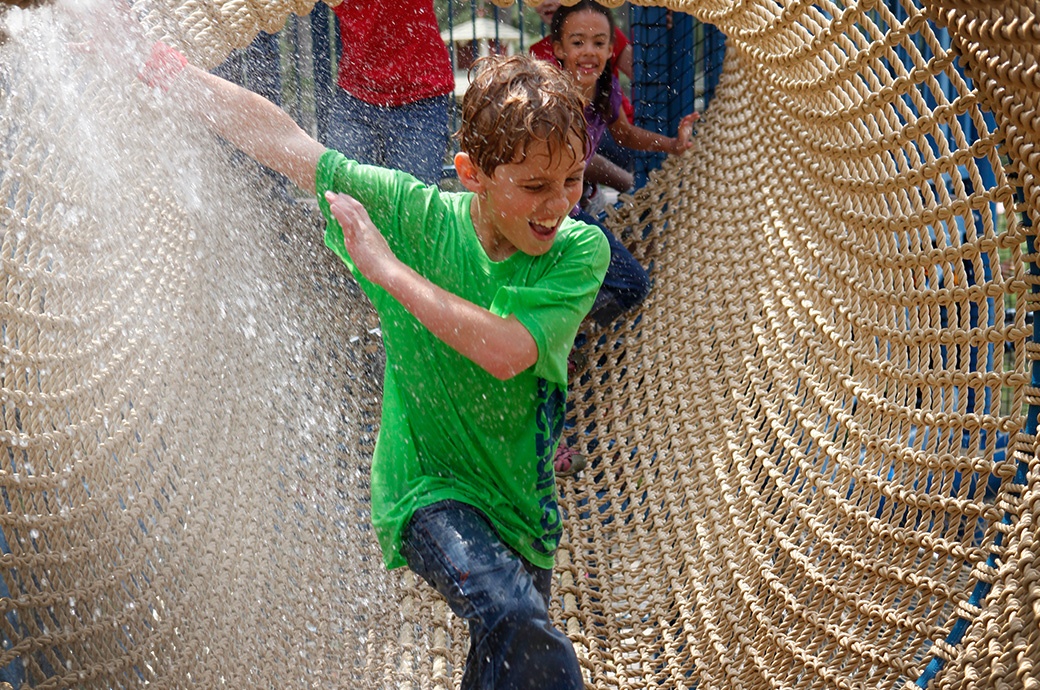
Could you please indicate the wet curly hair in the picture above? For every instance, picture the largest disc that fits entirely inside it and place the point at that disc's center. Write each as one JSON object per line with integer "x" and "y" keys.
{"x": 512, "y": 101}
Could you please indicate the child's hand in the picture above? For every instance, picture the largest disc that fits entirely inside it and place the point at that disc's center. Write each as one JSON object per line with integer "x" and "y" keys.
{"x": 362, "y": 239}
{"x": 109, "y": 30}
{"x": 684, "y": 140}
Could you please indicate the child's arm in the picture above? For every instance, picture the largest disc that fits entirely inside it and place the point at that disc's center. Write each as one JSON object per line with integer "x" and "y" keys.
{"x": 602, "y": 171}
{"x": 630, "y": 136}
{"x": 250, "y": 122}
{"x": 503, "y": 347}
{"x": 258, "y": 127}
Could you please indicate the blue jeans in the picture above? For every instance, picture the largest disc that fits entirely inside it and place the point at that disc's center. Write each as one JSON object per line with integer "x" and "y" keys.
{"x": 256, "y": 68}
{"x": 615, "y": 152}
{"x": 505, "y": 599}
{"x": 411, "y": 137}
{"x": 626, "y": 284}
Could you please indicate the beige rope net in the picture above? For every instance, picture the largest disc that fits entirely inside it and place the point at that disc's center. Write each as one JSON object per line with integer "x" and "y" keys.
{"x": 799, "y": 474}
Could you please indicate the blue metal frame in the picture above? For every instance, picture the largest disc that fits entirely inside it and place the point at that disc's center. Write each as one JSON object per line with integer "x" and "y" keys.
{"x": 960, "y": 624}
{"x": 677, "y": 62}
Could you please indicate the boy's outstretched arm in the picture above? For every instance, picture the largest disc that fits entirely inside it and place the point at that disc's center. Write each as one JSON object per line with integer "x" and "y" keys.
{"x": 258, "y": 127}
{"x": 503, "y": 347}
{"x": 252, "y": 123}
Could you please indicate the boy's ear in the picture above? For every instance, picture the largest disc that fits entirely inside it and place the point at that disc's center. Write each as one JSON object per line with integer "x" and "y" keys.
{"x": 469, "y": 174}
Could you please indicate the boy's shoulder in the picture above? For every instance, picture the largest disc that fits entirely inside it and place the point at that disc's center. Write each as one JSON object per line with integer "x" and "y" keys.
{"x": 579, "y": 240}
{"x": 581, "y": 233}
{"x": 333, "y": 164}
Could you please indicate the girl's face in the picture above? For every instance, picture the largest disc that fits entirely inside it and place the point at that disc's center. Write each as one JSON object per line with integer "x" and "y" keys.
{"x": 585, "y": 47}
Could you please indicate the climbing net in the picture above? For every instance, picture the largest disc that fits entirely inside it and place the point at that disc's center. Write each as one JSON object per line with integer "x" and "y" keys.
{"x": 813, "y": 450}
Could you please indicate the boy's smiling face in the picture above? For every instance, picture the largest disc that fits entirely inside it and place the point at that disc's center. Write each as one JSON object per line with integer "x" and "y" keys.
{"x": 520, "y": 206}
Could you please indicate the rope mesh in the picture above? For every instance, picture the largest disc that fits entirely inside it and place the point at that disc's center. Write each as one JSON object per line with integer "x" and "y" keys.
{"x": 813, "y": 450}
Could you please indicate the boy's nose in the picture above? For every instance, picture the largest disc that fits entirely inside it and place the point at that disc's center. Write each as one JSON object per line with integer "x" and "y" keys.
{"x": 560, "y": 204}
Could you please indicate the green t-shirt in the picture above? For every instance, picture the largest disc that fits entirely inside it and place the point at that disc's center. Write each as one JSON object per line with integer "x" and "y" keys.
{"x": 449, "y": 429}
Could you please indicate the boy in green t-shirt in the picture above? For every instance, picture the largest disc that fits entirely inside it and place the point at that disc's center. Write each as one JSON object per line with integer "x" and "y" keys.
{"x": 480, "y": 295}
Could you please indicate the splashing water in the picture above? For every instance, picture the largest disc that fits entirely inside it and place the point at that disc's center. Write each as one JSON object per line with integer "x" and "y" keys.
{"x": 187, "y": 378}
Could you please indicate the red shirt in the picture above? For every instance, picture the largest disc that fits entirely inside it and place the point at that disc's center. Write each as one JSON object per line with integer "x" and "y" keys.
{"x": 543, "y": 50}
{"x": 392, "y": 52}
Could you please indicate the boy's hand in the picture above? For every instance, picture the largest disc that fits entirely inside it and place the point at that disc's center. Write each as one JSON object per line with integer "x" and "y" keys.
{"x": 108, "y": 29}
{"x": 362, "y": 239}
{"x": 684, "y": 140}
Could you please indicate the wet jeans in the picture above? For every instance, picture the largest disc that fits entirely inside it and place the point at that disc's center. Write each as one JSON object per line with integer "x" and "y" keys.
{"x": 505, "y": 599}
{"x": 412, "y": 137}
{"x": 626, "y": 284}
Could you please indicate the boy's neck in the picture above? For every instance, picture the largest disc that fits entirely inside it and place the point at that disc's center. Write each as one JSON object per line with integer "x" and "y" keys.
{"x": 495, "y": 246}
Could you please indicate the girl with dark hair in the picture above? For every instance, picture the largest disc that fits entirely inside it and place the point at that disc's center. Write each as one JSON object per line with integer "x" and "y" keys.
{"x": 583, "y": 36}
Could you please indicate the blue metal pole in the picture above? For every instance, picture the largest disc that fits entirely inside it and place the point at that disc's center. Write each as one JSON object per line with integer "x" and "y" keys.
{"x": 648, "y": 90}
{"x": 714, "y": 54}
{"x": 294, "y": 35}
{"x": 451, "y": 35}
{"x": 682, "y": 70}
{"x": 666, "y": 68}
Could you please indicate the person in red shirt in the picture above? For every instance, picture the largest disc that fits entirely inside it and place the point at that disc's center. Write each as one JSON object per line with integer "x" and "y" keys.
{"x": 395, "y": 87}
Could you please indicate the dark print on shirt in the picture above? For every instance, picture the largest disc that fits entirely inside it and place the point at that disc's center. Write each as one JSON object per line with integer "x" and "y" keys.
{"x": 552, "y": 401}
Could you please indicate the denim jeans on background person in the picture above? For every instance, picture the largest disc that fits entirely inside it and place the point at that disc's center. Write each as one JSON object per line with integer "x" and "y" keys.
{"x": 411, "y": 137}
{"x": 256, "y": 67}
{"x": 505, "y": 599}
{"x": 626, "y": 284}
{"x": 615, "y": 152}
